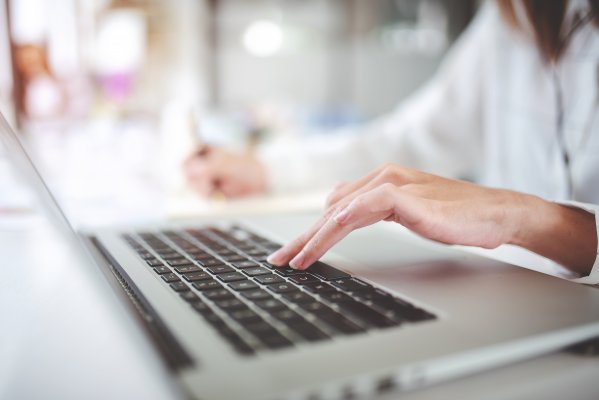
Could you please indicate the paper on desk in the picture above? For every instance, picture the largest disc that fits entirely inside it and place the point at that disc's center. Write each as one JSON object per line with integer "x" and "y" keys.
{"x": 185, "y": 204}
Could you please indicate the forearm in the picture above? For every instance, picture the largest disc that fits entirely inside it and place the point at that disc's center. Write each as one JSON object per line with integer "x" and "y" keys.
{"x": 566, "y": 235}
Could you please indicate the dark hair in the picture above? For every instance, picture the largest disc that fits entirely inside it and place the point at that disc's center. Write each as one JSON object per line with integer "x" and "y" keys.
{"x": 546, "y": 19}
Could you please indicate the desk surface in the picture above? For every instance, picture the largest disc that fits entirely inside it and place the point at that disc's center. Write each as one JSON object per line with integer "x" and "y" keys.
{"x": 58, "y": 340}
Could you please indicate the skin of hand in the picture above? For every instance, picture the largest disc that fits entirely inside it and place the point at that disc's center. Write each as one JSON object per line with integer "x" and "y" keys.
{"x": 213, "y": 170}
{"x": 447, "y": 211}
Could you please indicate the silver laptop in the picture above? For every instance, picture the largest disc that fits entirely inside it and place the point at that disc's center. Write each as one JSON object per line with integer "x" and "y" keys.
{"x": 382, "y": 312}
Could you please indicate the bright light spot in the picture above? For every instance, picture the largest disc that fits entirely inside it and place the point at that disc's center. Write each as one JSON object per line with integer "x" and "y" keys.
{"x": 120, "y": 42}
{"x": 263, "y": 38}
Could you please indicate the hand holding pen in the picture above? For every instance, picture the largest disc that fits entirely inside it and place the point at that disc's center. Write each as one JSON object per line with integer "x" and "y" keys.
{"x": 213, "y": 171}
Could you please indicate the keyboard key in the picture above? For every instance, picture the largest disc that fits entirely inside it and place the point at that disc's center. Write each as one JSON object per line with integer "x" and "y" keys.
{"x": 283, "y": 287}
{"x": 326, "y": 272}
{"x": 260, "y": 328}
{"x": 254, "y": 250}
{"x": 245, "y": 316}
{"x": 179, "y": 262}
{"x": 187, "y": 269}
{"x": 207, "y": 285}
{"x": 256, "y": 271}
{"x": 235, "y": 258}
{"x": 162, "y": 270}
{"x": 303, "y": 278}
{"x": 172, "y": 256}
{"x": 243, "y": 285}
{"x": 203, "y": 258}
{"x": 319, "y": 288}
{"x": 231, "y": 277}
{"x": 170, "y": 278}
{"x": 351, "y": 285}
{"x": 145, "y": 255}
{"x": 212, "y": 262}
{"x": 220, "y": 269}
{"x": 270, "y": 304}
{"x": 377, "y": 297}
{"x": 418, "y": 315}
{"x": 287, "y": 271}
{"x": 197, "y": 276}
{"x": 235, "y": 340}
{"x": 332, "y": 317}
{"x": 393, "y": 307}
{"x": 189, "y": 296}
{"x": 297, "y": 297}
{"x": 405, "y": 312}
{"x": 269, "y": 279}
{"x": 199, "y": 253}
{"x": 247, "y": 248}
{"x": 315, "y": 307}
{"x": 245, "y": 264}
{"x": 268, "y": 265}
{"x": 336, "y": 297}
{"x": 366, "y": 314}
{"x": 256, "y": 294}
{"x": 201, "y": 307}
{"x": 287, "y": 316}
{"x": 308, "y": 331}
{"x": 230, "y": 304}
{"x": 218, "y": 294}
{"x": 341, "y": 323}
{"x": 154, "y": 263}
{"x": 243, "y": 348}
{"x": 179, "y": 286}
{"x": 214, "y": 320}
{"x": 275, "y": 341}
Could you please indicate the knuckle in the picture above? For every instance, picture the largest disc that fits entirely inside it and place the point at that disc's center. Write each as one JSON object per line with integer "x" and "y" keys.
{"x": 331, "y": 211}
{"x": 386, "y": 194}
{"x": 387, "y": 166}
{"x": 391, "y": 172}
{"x": 388, "y": 188}
{"x": 359, "y": 203}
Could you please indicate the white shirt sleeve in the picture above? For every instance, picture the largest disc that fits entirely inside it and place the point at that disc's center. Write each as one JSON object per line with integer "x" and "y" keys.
{"x": 438, "y": 129}
{"x": 593, "y": 277}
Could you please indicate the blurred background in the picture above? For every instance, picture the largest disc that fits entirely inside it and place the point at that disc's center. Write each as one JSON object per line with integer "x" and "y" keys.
{"x": 111, "y": 95}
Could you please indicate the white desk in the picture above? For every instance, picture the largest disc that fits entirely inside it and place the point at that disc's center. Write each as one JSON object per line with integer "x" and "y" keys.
{"x": 59, "y": 341}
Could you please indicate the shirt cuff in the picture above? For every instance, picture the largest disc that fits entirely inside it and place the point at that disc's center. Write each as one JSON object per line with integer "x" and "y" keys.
{"x": 593, "y": 277}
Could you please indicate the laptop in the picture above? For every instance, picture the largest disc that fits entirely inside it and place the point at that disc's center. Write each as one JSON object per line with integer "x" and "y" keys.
{"x": 383, "y": 312}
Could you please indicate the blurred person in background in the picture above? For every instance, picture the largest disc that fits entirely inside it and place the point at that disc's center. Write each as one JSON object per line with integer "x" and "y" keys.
{"x": 514, "y": 107}
{"x": 41, "y": 96}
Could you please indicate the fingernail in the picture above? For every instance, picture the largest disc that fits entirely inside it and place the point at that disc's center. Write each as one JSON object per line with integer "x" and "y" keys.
{"x": 298, "y": 261}
{"x": 275, "y": 258}
{"x": 342, "y": 216}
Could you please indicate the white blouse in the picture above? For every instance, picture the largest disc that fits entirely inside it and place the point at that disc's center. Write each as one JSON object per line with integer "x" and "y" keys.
{"x": 495, "y": 113}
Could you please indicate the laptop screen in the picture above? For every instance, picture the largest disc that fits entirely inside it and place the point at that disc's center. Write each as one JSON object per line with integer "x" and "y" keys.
{"x": 24, "y": 164}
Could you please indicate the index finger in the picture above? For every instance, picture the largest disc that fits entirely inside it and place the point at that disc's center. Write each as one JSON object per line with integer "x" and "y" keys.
{"x": 327, "y": 236}
{"x": 291, "y": 249}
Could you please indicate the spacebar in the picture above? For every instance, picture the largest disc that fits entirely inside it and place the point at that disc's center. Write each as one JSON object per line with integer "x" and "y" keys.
{"x": 326, "y": 272}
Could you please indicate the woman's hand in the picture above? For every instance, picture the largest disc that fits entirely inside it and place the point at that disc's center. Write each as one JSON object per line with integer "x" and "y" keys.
{"x": 448, "y": 211}
{"x": 212, "y": 170}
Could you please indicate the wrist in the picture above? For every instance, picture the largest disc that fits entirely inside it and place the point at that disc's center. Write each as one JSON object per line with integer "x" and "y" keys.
{"x": 566, "y": 235}
{"x": 529, "y": 217}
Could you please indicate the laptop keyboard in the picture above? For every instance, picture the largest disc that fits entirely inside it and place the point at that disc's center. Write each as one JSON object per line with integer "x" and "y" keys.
{"x": 224, "y": 276}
